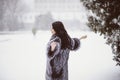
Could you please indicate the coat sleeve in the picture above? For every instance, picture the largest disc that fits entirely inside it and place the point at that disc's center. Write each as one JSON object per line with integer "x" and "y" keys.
{"x": 74, "y": 44}
{"x": 52, "y": 54}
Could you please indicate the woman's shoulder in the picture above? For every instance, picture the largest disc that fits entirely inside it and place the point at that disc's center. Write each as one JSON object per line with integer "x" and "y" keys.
{"x": 55, "y": 38}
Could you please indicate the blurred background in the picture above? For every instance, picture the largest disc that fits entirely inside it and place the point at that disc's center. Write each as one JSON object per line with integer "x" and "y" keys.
{"x": 28, "y": 14}
{"x": 25, "y": 30}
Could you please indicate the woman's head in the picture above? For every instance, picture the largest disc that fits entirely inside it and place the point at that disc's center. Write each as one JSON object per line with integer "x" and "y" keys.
{"x": 58, "y": 27}
{"x": 59, "y": 30}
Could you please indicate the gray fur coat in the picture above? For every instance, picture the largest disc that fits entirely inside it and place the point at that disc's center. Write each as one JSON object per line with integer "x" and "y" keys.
{"x": 57, "y": 62}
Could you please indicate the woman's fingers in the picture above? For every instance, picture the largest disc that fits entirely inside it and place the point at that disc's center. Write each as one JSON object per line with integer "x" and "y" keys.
{"x": 83, "y": 37}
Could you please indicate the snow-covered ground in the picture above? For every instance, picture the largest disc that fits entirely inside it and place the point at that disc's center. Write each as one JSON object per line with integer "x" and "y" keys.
{"x": 23, "y": 57}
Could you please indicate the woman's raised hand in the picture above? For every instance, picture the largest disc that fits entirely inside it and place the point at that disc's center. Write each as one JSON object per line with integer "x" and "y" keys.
{"x": 53, "y": 45}
{"x": 83, "y": 37}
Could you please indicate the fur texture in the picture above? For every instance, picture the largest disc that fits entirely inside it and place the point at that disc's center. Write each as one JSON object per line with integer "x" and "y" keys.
{"x": 57, "y": 61}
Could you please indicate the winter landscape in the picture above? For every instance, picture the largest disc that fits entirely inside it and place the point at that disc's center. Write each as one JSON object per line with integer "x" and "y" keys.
{"x": 25, "y": 30}
{"x": 23, "y": 57}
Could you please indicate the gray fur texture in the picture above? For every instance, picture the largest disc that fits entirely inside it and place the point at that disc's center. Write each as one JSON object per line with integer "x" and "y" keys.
{"x": 57, "y": 61}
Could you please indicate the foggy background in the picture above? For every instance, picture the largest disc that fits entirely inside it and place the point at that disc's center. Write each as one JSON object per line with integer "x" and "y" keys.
{"x": 17, "y": 15}
{"x": 25, "y": 30}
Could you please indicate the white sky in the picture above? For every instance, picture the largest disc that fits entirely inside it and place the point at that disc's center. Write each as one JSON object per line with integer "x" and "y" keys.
{"x": 30, "y": 3}
{"x": 69, "y": 10}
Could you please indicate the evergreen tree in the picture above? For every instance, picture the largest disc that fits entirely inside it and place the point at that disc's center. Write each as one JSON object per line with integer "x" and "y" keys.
{"x": 106, "y": 21}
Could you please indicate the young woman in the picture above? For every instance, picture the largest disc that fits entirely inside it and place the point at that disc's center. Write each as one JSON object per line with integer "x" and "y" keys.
{"x": 58, "y": 49}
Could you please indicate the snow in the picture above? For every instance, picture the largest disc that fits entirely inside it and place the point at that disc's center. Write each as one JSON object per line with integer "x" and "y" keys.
{"x": 23, "y": 57}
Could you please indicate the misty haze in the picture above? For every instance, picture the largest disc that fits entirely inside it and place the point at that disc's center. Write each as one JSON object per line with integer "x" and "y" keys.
{"x": 25, "y": 30}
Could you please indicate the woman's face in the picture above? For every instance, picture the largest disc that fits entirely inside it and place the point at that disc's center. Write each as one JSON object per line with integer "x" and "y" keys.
{"x": 53, "y": 31}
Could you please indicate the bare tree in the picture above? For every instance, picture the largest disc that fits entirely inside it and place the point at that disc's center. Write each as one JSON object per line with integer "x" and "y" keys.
{"x": 43, "y": 21}
{"x": 10, "y": 10}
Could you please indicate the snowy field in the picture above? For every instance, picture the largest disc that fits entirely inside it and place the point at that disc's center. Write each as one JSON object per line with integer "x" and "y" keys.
{"x": 23, "y": 57}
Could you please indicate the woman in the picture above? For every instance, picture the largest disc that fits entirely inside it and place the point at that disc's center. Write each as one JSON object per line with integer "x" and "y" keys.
{"x": 58, "y": 49}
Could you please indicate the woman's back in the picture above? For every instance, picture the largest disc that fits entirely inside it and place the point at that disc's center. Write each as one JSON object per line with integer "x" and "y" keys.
{"x": 57, "y": 63}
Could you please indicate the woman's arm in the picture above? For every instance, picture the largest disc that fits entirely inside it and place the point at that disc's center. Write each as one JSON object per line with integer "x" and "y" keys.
{"x": 75, "y": 43}
{"x": 53, "y": 50}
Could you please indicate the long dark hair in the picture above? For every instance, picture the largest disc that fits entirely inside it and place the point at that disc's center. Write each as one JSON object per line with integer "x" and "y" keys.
{"x": 61, "y": 33}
